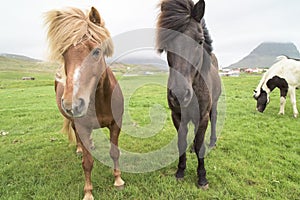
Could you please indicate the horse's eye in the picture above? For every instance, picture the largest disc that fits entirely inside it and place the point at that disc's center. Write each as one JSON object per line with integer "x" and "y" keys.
{"x": 96, "y": 52}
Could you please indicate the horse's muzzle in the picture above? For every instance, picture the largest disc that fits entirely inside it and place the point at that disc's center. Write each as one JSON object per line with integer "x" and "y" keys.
{"x": 180, "y": 98}
{"x": 75, "y": 109}
{"x": 260, "y": 108}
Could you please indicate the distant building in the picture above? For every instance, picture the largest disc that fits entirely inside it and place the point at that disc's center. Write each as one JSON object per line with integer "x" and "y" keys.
{"x": 149, "y": 73}
{"x": 253, "y": 70}
{"x": 230, "y": 72}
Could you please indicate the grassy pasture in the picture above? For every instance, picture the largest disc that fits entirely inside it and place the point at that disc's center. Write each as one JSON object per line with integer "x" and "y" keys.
{"x": 257, "y": 157}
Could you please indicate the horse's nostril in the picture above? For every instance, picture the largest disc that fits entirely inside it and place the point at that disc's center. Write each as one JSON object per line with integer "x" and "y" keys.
{"x": 79, "y": 107}
{"x": 172, "y": 94}
{"x": 81, "y": 103}
{"x": 67, "y": 107}
{"x": 187, "y": 93}
{"x": 187, "y": 96}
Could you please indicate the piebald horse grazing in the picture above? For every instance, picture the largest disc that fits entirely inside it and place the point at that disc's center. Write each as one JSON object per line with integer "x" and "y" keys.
{"x": 194, "y": 85}
{"x": 87, "y": 93}
{"x": 284, "y": 74}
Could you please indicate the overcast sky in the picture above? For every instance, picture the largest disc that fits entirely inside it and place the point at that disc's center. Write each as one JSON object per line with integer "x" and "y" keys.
{"x": 236, "y": 26}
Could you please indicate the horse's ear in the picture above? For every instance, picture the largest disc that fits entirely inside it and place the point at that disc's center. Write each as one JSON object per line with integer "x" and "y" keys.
{"x": 95, "y": 16}
{"x": 255, "y": 94}
{"x": 198, "y": 10}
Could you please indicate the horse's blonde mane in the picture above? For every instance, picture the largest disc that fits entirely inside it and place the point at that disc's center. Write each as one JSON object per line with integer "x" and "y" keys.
{"x": 70, "y": 27}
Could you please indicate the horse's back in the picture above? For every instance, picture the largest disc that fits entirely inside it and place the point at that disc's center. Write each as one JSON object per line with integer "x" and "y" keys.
{"x": 286, "y": 68}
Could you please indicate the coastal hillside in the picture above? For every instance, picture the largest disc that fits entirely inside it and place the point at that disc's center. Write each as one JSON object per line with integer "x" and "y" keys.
{"x": 265, "y": 55}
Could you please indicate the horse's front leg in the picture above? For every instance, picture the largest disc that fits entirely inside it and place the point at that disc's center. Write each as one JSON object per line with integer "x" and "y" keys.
{"x": 200, "y": 151}
{"x": 78, "y": 143}
{"x": 282, "y": 105}
{"x": 78, "y": 140}
{"x": 87, "y": 164}
{"x": 293, "y": 101}
{"x": 182, "y": 144}
{"x": 283, "y": 93}
{"x": 83, "y": 135}
{"x": 115, "y": 154}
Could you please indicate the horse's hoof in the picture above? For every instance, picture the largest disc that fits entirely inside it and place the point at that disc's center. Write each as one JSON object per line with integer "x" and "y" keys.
{"x": 180, "y": 179}
{"x": 120, "y": 187}
{"x": 203, "y": 187}
{"x": 79, "y": 153}
{"x": 212, "y": 146}
{"x": 179, "y": 175}
{"x": 88, "y": 197}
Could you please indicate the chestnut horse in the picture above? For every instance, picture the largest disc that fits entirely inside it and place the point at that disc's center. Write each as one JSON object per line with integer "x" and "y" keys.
{"x": 194, "y": 85}
{"x": 87, "y": 93}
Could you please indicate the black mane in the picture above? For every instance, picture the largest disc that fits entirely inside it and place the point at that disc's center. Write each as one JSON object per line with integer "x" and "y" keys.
{"x": 176, "y": 15}
{"x": 208, "y": 41}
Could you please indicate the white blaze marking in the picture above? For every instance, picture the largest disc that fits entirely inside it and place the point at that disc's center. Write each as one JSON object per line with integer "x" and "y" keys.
{"x": 76, "y": 78}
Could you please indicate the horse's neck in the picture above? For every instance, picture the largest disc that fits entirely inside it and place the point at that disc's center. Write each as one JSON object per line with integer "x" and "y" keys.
{"x": 206, "y": 64}
{"x": 261, "y": 83}
{"x": 209, "y": 74}
{"x": 103, "y": 83}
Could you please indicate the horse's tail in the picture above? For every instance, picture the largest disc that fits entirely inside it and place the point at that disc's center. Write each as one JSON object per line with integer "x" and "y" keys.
{"x": 68, "y": 130}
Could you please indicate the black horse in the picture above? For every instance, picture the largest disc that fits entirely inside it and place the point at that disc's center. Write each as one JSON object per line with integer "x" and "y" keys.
{"x": 194, "y": 85}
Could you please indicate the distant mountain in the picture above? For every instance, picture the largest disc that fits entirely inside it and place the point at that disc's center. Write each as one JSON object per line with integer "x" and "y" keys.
{"x": 264, "y": 56}
{"x": 131, "y": 64}
{"x": 19, "y": 57}
{"x": 13, "y": 62}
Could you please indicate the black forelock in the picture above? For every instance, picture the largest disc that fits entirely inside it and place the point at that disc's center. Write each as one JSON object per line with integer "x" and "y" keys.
{"x": 176, "y": 15}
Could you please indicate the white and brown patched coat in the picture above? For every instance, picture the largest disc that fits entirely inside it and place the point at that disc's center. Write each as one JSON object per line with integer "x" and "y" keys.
{"x": 285, "y": 75}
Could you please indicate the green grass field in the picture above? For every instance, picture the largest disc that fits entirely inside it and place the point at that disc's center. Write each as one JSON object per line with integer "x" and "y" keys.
{"x": 257, "y": 155}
